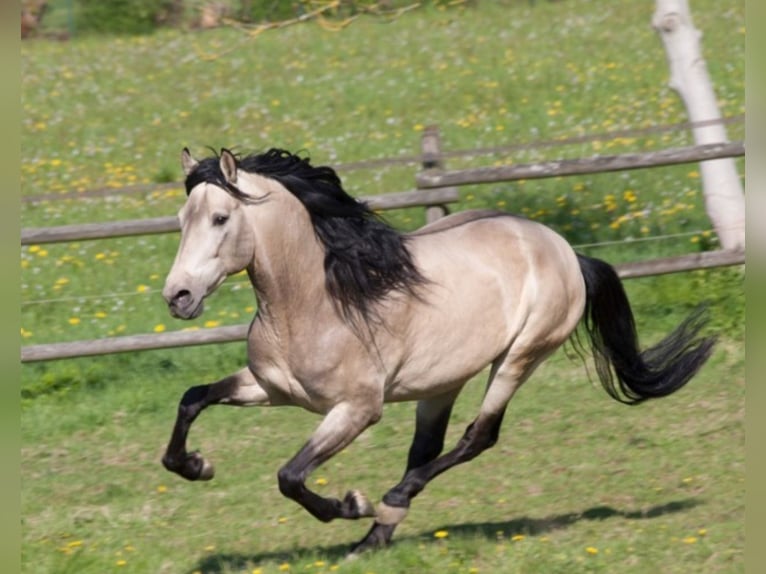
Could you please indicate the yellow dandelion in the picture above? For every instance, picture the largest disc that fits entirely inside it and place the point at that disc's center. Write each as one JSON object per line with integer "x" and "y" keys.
{"x": 517, "y": 537}
{"x": 210, "y": 547}
{"x": 284, "y": 567}
{"x": 321, "y": 481}
{"x": 211, "y": 323}
{"x": 319, "y": 563}
{"x": 34, "y": 248}
{"x": 121, "y": 562}
{"x": 591, "y": 550}
{"x": 42, "y": 253}
{"x": 162, "y": 488}
{"x": 281, "y": 520}
{"x": 142, "y": 288}
{"x": 74, "y": 543}
{"x": 26, "y": 334}
{"x": 74, "y": 320}
{"x": 159, "y": 328}
{"x": 99, "y": 314}
{"x": 100, "y": 256}
{"x": 702, "y": 531}
{"x": 690, "y": 540}
{"x": 441, "y": 534}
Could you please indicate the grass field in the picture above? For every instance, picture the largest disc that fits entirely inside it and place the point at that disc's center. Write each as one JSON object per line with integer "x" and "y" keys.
{"x": 577, "y": 483}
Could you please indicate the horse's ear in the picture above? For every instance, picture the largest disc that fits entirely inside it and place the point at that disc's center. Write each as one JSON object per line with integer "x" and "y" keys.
{"x": 188, "y": 163}
{"x": 228, "y": 165}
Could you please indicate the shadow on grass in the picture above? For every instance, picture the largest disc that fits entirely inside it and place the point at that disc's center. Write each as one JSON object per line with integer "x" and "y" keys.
{"x": 527, "y": 526}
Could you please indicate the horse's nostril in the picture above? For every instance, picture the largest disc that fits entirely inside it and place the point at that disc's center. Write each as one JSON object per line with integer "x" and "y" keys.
{"x": 181, "y": 297}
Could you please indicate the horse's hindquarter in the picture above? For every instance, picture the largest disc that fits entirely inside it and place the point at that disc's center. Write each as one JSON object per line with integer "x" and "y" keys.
{"x": 498, "y": 282}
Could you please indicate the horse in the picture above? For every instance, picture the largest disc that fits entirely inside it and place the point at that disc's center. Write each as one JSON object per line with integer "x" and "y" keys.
{"x": 353, "y": 314}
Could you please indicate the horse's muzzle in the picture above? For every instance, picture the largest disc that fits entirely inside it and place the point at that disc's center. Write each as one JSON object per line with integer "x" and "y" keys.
{"x": 183, "y": 305}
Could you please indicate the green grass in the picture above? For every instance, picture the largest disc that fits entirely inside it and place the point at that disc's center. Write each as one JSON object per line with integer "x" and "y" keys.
{"x": 654, "y": 488}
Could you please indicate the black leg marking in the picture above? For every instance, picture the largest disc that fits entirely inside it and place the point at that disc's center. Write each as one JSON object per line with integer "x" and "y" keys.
{"x": 239, "y": 389}
{"x": 341, "y": 426}
{"x": 427, "y": 444}
{"x": 188, "y": 465}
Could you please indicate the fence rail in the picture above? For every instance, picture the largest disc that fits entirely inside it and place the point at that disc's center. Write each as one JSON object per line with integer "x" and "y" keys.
{"x": 602, "y": 164}
{"x": 157, "y": 225}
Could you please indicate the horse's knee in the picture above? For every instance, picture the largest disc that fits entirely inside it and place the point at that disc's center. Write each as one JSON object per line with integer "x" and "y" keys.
{"x": 290, "y": 482}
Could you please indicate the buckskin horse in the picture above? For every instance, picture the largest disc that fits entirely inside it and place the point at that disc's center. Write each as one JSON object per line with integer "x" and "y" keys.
{"x": 353, "y": 314}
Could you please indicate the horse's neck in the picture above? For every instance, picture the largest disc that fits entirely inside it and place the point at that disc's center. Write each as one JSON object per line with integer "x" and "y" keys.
{"x": 287, "y": 271}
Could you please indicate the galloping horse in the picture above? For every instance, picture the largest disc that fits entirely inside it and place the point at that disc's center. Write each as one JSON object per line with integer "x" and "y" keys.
{"x": 353, "y": 314}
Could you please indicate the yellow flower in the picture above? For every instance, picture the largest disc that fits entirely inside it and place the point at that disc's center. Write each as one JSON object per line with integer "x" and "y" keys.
{"x": 142, "y": 288}
{"x": 210, "y": 324}
{"x": 321, "y": 481}
{"x": 159, "y": 328}
{"x": 690, "y": 539}
{"x": 441, "y": 534}
{"x": 121, "y": 562}
{"x": 162, "y": 488}
{"x": 74, "y": 320}
{"x": 591, "y": 550}
{"x": 517, "y": 537}
{"x": 284, "y": 567}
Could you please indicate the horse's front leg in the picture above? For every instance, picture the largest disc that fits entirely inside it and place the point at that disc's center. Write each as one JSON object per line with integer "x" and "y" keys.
{"x": 239, "y": 389}
{"x": 338, "y": 429}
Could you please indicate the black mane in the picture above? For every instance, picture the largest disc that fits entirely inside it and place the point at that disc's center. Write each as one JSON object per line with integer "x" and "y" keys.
{"x": 365, "y": 258}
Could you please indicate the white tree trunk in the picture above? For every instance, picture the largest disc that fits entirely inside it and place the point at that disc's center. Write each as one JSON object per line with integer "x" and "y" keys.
{"x": 724, "y": 197}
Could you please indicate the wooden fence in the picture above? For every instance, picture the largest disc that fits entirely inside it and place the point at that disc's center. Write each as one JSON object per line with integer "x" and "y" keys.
{"x": 436, "y": 191}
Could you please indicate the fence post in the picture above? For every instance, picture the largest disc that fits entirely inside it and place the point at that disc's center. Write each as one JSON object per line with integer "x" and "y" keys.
{"x": 430, "y": 145}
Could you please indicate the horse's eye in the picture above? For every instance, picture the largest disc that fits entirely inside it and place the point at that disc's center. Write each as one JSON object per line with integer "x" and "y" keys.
{"x": 220, "y": 219}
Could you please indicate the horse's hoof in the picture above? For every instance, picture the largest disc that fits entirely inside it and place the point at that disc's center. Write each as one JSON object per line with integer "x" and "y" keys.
{"x": 193, "y": 466}
{"x": 197, "y": 468}
{"x": 379, "y": 536}
{"x": 358, "y": 505}
{"x": 207, "y": 471}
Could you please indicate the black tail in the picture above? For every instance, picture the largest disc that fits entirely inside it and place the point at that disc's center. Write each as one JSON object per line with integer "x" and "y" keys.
{"x": 654, "y": 372}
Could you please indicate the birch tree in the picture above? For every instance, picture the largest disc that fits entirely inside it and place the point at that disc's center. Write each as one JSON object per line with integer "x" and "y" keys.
{"x": 724, "y": 196}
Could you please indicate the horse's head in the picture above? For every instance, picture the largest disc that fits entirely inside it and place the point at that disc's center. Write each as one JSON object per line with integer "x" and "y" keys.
{"x": 216, "y": 239}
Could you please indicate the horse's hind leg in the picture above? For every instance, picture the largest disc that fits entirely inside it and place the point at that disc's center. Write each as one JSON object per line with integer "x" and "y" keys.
{"x": 432, "y": 418}
{"x": 506, "y": 377}
{"x": 239, "y": 389}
